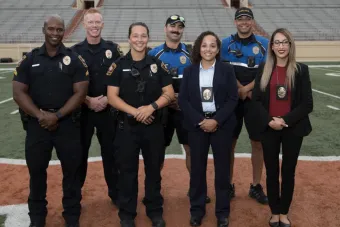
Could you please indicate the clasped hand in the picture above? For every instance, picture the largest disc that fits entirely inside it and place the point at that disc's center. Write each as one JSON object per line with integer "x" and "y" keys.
{"x": 48, "y": 120}
{"x": 144, "y": 114}
{"x": 97, "y": 104}
{"x": 208, "y": 125}
{"x": 277, "y": 123}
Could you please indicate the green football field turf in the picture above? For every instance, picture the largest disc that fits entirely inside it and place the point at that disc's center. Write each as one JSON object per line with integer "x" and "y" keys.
{"x": 323, "y": 141}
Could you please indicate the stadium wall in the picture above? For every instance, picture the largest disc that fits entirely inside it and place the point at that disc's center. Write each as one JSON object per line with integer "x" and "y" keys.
{"x": 307, "y": 51}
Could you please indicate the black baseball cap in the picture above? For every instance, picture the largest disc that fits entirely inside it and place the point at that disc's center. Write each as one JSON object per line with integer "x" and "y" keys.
{"x": 244, "y": 11}
{"x": 173, "y": 19}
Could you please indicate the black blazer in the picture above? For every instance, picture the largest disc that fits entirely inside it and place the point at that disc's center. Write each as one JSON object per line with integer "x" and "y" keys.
{"x": 301, "y": 103}
{"x": 225, "y": 96}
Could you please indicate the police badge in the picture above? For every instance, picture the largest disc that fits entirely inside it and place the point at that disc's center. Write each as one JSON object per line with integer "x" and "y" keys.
{"x": 281, "y": 92}
{"x": 207, "y": 94}
{"x": 108, "y": 54}
{"x": 153, "y": 68}
{"x": 183, "y": 59}
{"x": 66, "y": 60}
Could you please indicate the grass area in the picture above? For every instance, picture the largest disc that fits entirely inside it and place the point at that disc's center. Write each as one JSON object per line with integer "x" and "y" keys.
{"x": 323, "y": 141}
{"x": 2, "y": 220}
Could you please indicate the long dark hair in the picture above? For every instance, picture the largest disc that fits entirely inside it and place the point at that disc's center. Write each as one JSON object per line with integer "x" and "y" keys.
{"x": 139, "y": 24}
{"x": 196, "y": 55}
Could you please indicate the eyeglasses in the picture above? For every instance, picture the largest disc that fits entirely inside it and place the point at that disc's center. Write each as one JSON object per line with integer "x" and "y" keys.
{"x": 284, "y": 43}
{"x": 176, "y": 17}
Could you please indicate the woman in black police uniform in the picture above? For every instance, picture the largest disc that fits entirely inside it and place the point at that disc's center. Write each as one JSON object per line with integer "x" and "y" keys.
{"x": 283, "y": 99}
{"x": 207, "y": 98}
{"x": 48, "y": 85}
{"x": 139, "y": 86}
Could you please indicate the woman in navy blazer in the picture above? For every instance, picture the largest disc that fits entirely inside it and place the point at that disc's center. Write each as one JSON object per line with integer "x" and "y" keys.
{"x": 208, "y": 97}
{"x": 283, "y": 99}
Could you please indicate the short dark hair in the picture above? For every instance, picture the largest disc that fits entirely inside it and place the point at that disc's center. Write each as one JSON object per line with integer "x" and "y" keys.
{"x": 138, "y": 24}
{"x": 196, "y": 55}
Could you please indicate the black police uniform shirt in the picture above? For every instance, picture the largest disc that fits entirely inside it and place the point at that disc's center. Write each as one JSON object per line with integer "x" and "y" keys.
{"x": 98, "y": 58}
{"x": 50, "y": 79}
{"x": 152, "y": 71}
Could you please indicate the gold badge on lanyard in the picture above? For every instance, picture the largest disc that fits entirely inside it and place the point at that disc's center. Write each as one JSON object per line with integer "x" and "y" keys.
{"x": 207, "y": 94}
{"x": 281, "y": 92}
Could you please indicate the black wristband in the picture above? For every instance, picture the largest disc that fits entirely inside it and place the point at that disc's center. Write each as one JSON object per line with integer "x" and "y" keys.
{"x": 154, "y": 105}
{"x": 59, "y": 115}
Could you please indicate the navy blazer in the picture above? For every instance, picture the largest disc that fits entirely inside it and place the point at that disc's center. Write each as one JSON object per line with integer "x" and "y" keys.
{"x": 301, "y": 103}
{"x": 225, "y": 96}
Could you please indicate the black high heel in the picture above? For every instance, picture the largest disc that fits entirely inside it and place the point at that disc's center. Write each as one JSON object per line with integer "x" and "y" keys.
{"x": 273, "y": 224}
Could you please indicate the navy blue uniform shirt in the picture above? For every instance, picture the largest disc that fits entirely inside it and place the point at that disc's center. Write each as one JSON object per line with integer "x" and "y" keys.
{"x": 98, "y": 59}
{"x": 50, "y": 79}
{"x": 152, "y": 73}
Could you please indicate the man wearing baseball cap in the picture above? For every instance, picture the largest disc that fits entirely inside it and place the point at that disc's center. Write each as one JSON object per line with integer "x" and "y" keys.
{"x": 246, "y": 51}
{"x": 176, "y": 56}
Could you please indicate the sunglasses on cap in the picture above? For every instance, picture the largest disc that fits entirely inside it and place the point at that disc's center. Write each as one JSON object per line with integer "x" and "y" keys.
{"x": 176, "y": 17}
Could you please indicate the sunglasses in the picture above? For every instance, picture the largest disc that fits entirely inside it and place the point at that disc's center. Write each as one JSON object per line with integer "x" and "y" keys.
{"x": 176, "y": 17}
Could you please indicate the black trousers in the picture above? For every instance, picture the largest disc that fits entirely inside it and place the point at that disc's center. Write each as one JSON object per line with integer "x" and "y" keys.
{"x": 199, "y": 143}
{"x": 105, "y": 125}
{"x": 38, "y": 151}
{"x": 129, "y": 141}
{"x": 291, "y": 144}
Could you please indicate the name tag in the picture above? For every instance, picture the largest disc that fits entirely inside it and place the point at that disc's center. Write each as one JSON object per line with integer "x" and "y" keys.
{"x": 126, "y": 70}
{"x": 35, "y": 65}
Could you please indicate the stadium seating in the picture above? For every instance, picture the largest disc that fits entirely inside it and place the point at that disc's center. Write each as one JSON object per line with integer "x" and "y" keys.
{"x": 306, "y": 19}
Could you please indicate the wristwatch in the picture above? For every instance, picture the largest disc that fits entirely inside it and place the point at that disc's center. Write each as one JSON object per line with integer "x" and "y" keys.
{"x": 59, "y": 115}
{"x": 154, "y": 105}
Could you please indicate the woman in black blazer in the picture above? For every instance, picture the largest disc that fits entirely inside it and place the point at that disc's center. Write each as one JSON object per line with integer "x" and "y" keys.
{"x": 283, "y": 99}
{"x": 207, "y": 98}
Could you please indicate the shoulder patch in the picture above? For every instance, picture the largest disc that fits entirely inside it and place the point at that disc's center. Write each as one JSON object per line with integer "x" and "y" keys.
{"x": 19, "y": 62}
{"x": 164, "y": 67}
{"x": 119, "y": 50}
{"x": 111, "y": 69}
{"x": 82, "y": 61}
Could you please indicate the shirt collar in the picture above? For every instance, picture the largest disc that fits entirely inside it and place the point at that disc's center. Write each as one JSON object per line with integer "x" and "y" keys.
{"x": 102, "y": 43}
{"x": 168, "y": 49}
{"x": 147, "y": 59}
{"x": 211, "y": 67}
{"x": 61, "y": 49}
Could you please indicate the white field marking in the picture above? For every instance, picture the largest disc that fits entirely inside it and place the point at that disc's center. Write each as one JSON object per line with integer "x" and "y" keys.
{"x": 324, "y": 66}
{"x": 178, "y": 156}
{"x": 15, "y": 112}
{"x": 1, "y": 73}
{"x": 16, "y": 215}
{"x": 324, "y": 93}
{"x": 327, "y": 70}
{"x": 2, "y": 77}
{"x": 333, "y": 74}
{"x": 333, "y": 107}
{"x": 7, "y": 69}
{"x": 6, "y": 100}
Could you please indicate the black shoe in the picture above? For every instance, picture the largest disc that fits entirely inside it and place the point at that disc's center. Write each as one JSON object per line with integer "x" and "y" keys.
{"x": 195, "y": 221}
{"x": 207, "y": 199}
{"x": 284, "y": 224}
{"x": 127, "y": 223}
{"x": 274, "y": 224}
{"x": 158, "y": 222}
{"x": 223, "y": 222}
{"x": 256, "y": 192}
{"x": 232, "y": 191}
